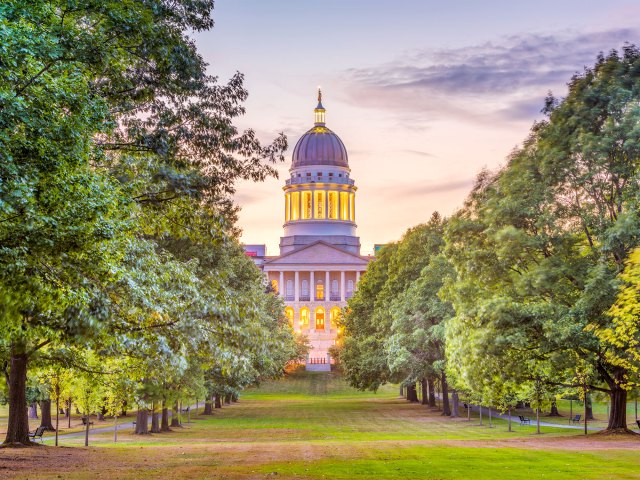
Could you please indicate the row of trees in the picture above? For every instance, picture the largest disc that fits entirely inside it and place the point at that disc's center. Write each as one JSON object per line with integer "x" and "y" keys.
{"x": 119, "y": 258}
{"x": 531, "y": 288}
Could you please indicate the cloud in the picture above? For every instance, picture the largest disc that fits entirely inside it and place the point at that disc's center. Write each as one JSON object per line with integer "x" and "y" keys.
{"x": 425, "y": 189}
{"x": 505, "y": 79}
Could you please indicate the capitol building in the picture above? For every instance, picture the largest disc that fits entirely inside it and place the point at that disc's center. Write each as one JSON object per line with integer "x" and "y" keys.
{"x": 319, "y": 263}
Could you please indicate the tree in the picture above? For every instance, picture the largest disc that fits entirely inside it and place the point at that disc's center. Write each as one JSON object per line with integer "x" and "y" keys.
{"x": 538, "y": 246}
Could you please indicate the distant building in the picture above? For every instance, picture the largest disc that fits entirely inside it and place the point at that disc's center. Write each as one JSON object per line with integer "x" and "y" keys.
{"x": 319, "y": 263}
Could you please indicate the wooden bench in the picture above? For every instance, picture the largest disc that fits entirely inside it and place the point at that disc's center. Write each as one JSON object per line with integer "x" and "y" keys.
{"x": 38, "y": 433}
{"x": 575, "y": 419}
{"x": 638, "y": 422}
{"x": 524, "y": 420}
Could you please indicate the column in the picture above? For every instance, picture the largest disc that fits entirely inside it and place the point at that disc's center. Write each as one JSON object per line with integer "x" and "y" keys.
{"x": 312, "y": 287}
{"x": 281, "y": 289}
{"x": 357, "y": 277}
{"x": 342, "y": 286}
{"x": 296, "y": 287}
{"x": 327, "y": 293}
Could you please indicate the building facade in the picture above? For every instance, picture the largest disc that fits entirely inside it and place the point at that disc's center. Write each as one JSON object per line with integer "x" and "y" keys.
{"x": 319, "y": 265}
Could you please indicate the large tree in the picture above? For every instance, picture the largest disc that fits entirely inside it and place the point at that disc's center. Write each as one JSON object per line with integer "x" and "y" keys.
{"x": 539, "y": 245}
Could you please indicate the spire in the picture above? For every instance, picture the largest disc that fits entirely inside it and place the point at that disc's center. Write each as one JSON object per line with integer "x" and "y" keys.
{"x": 319, "y": 110}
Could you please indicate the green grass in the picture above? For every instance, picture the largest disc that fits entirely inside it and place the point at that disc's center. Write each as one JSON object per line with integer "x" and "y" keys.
{"x": 313, "y": 426}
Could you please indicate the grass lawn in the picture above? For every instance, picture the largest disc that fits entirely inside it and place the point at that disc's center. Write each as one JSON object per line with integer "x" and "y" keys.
{"x": 312, "y": 426}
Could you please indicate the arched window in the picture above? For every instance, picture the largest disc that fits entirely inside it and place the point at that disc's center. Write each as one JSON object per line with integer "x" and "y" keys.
{"x": 289, "y": 314}
{"x": 319, "y": 290}
{"x": 305, "y": 288}
{"x": 319, "y": 318}
{"x": 304, "y": 316}
{"x": 334, "y": 288}
{"x": 289, "y": 288}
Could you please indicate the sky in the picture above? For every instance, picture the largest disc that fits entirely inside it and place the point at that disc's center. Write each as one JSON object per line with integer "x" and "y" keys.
{"x": 424, "y": 94}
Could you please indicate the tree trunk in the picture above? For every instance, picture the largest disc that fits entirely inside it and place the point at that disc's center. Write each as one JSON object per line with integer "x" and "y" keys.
{"x": 554, "y": 410}
{"x": 234, "y": 397}
{"x": 164, "y": 423}
{"x": 412, "y": 394}
{"x": 155, "y": 422}
{"x": 218, "y": 401}
{"x": 446, "y": 409}
{"x": 455, "y": 402}
{"x": 432, "y": 393}
{"x": 227, "y": 399}
{"x": 33, "y": 410}
{"x": 45, "y": 406}
{"x": 402, "y": 391}
{"x": 208, "y": 407}
{"x": 142, "y": 422}
{"x": 175, "y": 422}
{"x": 425, "y": 391}
{"x": 618, "y": 415}
{"x": 18, "y": 422}
{"x": 68, "y": 414}
{"x": 588, "y": 408}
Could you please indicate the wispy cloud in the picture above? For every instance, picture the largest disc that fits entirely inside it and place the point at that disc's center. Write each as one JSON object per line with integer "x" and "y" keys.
{"x": 423, "y": 189}
{"x": 505, "y": 79}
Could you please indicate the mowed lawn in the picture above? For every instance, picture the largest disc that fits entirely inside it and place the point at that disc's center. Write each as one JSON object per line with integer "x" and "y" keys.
{"x": 312, "y": 426}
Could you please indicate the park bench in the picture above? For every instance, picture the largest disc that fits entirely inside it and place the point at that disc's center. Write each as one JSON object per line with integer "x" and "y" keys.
{"x": 84, "y": 421}
{"x": 638, "y": 422}
{"x": 575, "y": 419}
{"x": 38, "y": 433}
{"x": 524, "y": 420}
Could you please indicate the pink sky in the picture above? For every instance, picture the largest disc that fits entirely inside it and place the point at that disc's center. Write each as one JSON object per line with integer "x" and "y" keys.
{"x": 423, "y": 93}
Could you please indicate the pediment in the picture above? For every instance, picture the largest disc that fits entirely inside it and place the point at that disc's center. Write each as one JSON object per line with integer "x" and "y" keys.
{"x": 318, "y": 253}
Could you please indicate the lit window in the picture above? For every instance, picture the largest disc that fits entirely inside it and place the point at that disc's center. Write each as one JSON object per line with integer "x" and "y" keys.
{"x": 319, "y": 204}
{"x": 287, "y": 207}
{"x": 319, "y": 290}
{"x": 344, "y": 206}
{"x": 333, "y": 205}
{"x": 334, "y": 314}
{"x": 352, "y": 209}
{"x": 295, "y": 205}
{"x": 289, "y": 314}
{"x": 274, "y": 286}
{"x": 320, "y": 318}
{"x": 304, "y": 316}
{"x": 306, "y": 205}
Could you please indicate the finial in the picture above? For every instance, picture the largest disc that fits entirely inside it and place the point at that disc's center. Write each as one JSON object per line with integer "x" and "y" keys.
{"x": 319, "y": 111}
{"x": 319, "y": 95}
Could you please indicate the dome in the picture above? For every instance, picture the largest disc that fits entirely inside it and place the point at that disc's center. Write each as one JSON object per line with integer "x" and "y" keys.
{"x": 320, "y": 146}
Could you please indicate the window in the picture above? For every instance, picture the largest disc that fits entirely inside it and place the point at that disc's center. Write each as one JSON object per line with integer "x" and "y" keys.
{"x": 334, "y": 288}
{"x": 305, "y": 288}
{"x": 274, "y": 286}
{"x": 289, "y": 288}
{"x": 304, "y": 316}
{"x": 289, "y": 314}
{"x": 295, "y": 205}
{"x": 340, "y": 175}
{"x": 308, "y": 174}
{"x": 333, "y": 205}
{"x": 319, "y": 204}
{"x": 319, "y": 290}
{"x": 349, "y": 287}
{"x": 287, "y": 207}
{"x": 319, "y": 174}
{"x": 344, "y": 206}
{"x": 330, "y": 174}
{"x": 352, "y": 209}
{"x": 320, "y": 318}
{"x": 307, "y": 205}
